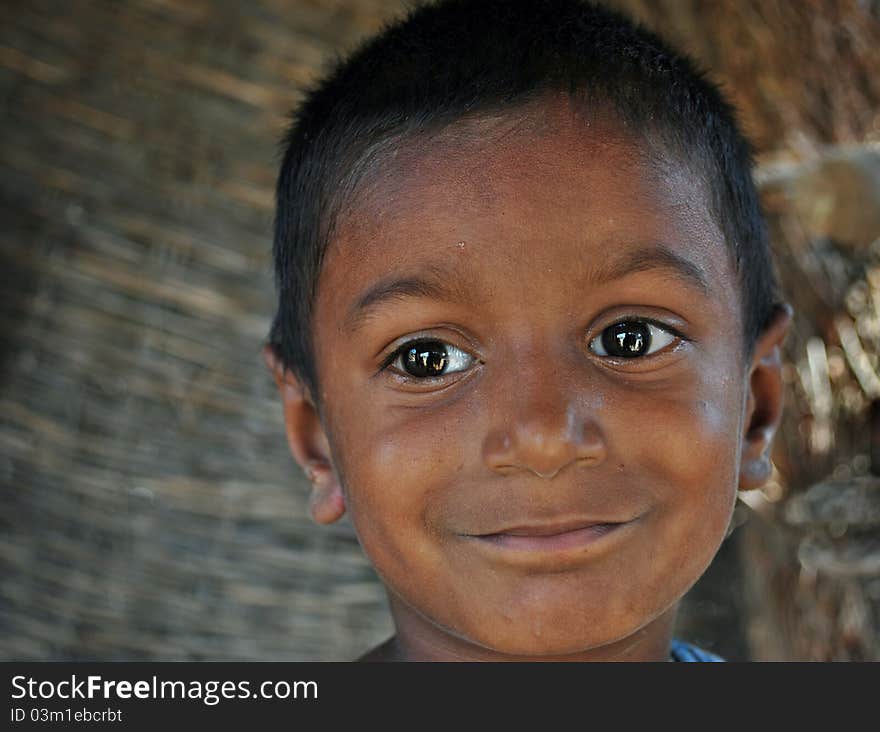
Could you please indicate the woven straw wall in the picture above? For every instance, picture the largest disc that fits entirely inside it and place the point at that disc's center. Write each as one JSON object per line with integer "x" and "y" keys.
{"x": 149, "y": 506}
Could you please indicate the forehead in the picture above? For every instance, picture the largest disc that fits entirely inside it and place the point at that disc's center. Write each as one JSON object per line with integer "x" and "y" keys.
{"x": 524, "y": 187}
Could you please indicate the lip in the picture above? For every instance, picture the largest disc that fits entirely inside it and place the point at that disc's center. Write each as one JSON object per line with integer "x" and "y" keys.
{"x": 549, "y": 540}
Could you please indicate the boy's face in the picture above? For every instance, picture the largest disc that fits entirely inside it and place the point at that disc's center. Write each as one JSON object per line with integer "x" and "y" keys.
{"x": 543, "y": 494}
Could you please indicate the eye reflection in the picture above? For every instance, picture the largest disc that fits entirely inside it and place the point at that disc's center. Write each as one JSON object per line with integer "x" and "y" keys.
{"x": 430, "y": 358}
{"x": 631, "y": 339}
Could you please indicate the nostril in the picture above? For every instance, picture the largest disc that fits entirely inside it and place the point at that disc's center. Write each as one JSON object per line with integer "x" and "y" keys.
{"x": 505, "y": 469}
{"x": 543, "y": 435}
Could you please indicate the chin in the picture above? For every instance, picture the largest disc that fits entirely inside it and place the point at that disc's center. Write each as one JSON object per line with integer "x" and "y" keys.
{"x": 555, "y": 647}
{"x": 539, "y": 635}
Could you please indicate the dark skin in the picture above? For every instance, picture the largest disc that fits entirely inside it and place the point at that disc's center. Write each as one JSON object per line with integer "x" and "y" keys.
{"x": 526, "y": 487}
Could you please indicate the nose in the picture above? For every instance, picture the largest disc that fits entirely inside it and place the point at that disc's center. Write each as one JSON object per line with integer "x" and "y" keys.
{"x": 543, "y": 426}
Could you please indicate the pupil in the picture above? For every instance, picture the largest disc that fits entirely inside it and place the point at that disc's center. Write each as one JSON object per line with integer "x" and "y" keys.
{"x": 626, "y": 340}
{"x": 426, "y": 359}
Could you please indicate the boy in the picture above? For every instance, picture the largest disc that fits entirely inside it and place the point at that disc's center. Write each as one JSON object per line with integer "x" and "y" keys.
{"x": 528, "y": 327}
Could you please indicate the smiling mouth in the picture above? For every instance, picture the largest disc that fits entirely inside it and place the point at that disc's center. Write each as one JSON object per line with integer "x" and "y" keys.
{"x": 550, "y": 538}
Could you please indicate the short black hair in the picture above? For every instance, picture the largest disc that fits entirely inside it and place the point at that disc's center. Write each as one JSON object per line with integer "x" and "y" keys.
{"x": 450, "y": 59}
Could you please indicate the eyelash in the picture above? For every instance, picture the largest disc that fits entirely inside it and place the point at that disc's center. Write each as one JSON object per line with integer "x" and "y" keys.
{"x": 406, "y": 346}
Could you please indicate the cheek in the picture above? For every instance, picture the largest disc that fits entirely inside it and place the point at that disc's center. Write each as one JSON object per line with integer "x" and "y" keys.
{"x": 697, "y": 445}
{"x": 394, "y": 467}
{"x": 691, "y": 461}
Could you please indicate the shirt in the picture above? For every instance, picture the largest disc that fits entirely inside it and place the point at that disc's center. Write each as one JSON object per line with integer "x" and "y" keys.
{"x": 681, "y": 651}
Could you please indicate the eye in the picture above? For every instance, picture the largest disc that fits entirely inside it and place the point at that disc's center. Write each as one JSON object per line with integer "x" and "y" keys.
{"x": 428, "y": 358}
{"x": 632, "y": 339}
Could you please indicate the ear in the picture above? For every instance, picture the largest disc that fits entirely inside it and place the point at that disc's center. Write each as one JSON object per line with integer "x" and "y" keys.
{"x": 307, "y": 441}
{"x": 764, "y": 404}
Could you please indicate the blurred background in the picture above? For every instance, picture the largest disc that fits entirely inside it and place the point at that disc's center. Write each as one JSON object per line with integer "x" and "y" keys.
{"x": 149, "y": 507}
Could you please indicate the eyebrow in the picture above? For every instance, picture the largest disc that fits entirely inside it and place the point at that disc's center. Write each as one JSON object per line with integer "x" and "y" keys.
{"x": 445, "y": 283}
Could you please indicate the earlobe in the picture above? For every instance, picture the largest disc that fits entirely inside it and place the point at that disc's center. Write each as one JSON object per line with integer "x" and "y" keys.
{"x": 764, "y": 404}
{"x": 327, "y": 503}
{"x": 308, "y": 442}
